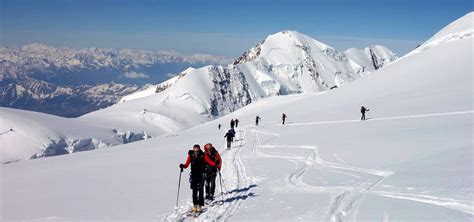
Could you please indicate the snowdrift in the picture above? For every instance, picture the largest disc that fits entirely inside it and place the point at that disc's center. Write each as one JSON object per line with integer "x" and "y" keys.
{"x": 26, "y": 134}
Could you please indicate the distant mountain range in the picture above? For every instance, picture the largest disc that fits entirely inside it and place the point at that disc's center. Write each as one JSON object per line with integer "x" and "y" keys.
{"x": 71, "y": 82}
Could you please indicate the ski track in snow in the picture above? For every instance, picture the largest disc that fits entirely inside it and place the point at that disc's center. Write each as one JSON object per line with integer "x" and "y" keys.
{"x": 345, "y": 205}
{"x": 6, "y": 131}
{"x": 459, "y": 205}
{"x": 378, "y": 119}
{"x": 236, "y": 188}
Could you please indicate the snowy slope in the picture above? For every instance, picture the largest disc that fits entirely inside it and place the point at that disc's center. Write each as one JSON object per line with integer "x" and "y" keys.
{"x": 411, "y": 161}
{"x": 24, "y": 134}
{"x": 182, "y": 106}
{"x": 152, "y": 89}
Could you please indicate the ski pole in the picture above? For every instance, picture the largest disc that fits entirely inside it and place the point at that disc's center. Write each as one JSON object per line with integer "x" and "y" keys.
{"x": 220, "y": 181}
{"x": 225, "y": 187}
{"x": 179, "y": 185}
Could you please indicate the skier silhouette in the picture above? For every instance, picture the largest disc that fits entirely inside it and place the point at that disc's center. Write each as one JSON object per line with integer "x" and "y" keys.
{"x": 257, "y": 119}
{"x": 363, "y": 110}
{"x": 230, "y": 138}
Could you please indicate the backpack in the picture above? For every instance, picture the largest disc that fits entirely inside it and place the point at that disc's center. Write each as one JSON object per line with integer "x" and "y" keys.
{"x": 213, "y": 157}
{"x": 197, "y": 163}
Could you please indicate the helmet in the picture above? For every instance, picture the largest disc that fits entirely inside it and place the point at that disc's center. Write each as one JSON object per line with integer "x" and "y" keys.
{"x": 207, "y": 146}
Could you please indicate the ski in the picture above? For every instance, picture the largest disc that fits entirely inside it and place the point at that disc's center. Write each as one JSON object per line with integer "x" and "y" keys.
{"x": 195, "y": 214}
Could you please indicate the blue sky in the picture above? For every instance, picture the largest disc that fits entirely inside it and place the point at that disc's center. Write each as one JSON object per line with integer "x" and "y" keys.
{"x": 223, "y": 27}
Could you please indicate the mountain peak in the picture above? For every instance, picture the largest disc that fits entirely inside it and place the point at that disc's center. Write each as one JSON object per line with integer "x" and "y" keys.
{"x": 285, "y": 44}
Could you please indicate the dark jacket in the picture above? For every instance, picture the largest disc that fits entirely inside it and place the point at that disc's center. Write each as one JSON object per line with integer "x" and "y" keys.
{"x": 229, "y": 135}
{"x": 198, "y": 162}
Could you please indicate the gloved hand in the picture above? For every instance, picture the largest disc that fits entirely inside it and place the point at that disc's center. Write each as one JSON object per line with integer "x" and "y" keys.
{"x": 217, "y": 162}
{"x": 181, "y": 166}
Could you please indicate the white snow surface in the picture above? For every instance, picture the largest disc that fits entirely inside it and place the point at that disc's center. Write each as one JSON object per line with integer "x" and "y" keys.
{"x": 412, "y": 160}
{"x": 26, "y": 133}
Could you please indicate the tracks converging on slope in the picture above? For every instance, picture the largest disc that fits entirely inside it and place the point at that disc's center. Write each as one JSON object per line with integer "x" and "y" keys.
{"x": 348, "y": 198}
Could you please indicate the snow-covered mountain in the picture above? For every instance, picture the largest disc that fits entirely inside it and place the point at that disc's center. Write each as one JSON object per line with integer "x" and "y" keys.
{"x": 410, "y": 161}
{"x": 290, "y": 62}
{"x": 284, "y": 63}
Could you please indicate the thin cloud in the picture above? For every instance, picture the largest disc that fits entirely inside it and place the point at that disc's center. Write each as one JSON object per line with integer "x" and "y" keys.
{"x": 135, "y": 75}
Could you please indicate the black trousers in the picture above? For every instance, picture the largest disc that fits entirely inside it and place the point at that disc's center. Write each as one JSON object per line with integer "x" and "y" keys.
{"x": 363, "y": 116}
{"x": 211, "y": 183}
{"x": 197, "y": 185}
{"x": 229, "y": 143}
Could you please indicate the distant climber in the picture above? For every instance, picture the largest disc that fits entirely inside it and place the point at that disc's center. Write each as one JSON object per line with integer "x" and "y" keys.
{"x": 232, "y": 131}
{"x": 210, "y": 172}
{"x": 363, "y": 110}
{"x": 219, "y": 126}
{"x": 283, "y": 118}
{"x": 257, "y": 119}
{"x": 198, "y": 161}
{"x": 232, "y": 123}
{"x": 230, "y": 137}
{"x": 236, "y": 123}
